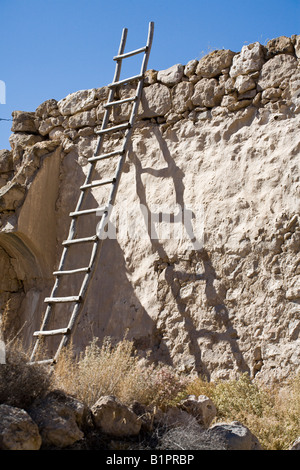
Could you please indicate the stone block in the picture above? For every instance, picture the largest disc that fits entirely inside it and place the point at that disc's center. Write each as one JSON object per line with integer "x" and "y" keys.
{"x": 208, "y": 93}
{"x": 156, "y": 101}
{"x": 280, "y": 45}
{"x": 212, "y": 64}
{"x": 275, "y": 70}
{"x": 171, "y": 76}
{"x": 250, "y": 59}
{"x": 114, "y": 418}
{"x": 23, "y": 122}
{"x": 181, "y": 96}
{"x": 81, "y": 100}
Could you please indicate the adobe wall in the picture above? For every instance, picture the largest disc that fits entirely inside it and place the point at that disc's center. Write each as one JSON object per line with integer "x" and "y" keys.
{"x": 218, "y": 138}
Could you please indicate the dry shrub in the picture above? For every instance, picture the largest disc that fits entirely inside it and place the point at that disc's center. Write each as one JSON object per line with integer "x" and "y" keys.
{"x": 189, "y": 437}
{"x": 279, "y": 427}
{"x": 116, "y": 370}
{"x": 272, "y": 414}
{"x": 20, "y": 382}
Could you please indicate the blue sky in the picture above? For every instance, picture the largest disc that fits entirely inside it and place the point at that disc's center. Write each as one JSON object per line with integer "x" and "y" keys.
{"x": 50, "y": 48}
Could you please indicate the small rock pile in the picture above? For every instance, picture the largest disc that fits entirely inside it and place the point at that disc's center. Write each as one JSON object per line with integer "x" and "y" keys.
{"x": 59, "y": 421}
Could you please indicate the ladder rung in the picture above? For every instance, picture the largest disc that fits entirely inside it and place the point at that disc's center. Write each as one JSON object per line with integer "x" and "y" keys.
{"x": 98, "y": 183}
{"x": 80, "y": 240}
{"x": 43, "y": 361}
{"x": 117, "y": 102}
{"x": 131, "y": 53}
{"x": 126, "y": 125}
{"x": 73, "y": 298}
{"x": 103, "y": 156}
{"x": 89, "y": 211}
{"x": 125, "y": 80}
{"x": 72, "y": 271}
{"x": 61, "y": 331}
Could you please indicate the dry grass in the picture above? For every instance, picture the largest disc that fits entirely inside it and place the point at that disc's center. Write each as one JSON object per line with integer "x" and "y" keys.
{"x": 116, "y": 370}
{"x": 272, "y": 414}
{"x": 20, "y": 382}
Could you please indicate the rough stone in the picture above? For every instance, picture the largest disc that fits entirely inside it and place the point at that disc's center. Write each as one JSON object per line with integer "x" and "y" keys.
{"x": 232, "y": 103}
{"x": 275, "y": 70}
{"x": 293, "y": 293}
{"x": 171, "y": 76}
{"x": 122, "y": 112}
{"x": 181, "y": 96}
{"x": 271, "y": 94}
{"x": 46, "y": 109}
{"x": 21, "y": 141}
{"x": 190, "y": 68}
{"x": 244, "y": 83}
{"x": 81, "y": 100}
{"x": 56, "y": 133}
{"x": 234, "y": 436}
{"x": 297, "y": 46}
{"x": 150, "y": 77}
{"x": 156, "y": 101}
{"x": 248, "y": 95}
{"x": 49, "y": 123}
{"x": 23, "y": 122}
{"x": 280, "y": 45}
{"x": 17, "y": 430}
{"x": 207, "y": 93}
{"x": 212, "y": 64}
{"x": 250, "y": 59}
{"x": 83, "y": 119}
{"x": 202, "y": 408}
{"x": 114, "y": 418}
{"x": 6, "y": 161}
{"x": 59, "y": 418}
{"x": 229, "y": 86}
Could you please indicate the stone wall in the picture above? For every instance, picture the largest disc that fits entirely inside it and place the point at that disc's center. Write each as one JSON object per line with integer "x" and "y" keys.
{"x": 218, "y": 138}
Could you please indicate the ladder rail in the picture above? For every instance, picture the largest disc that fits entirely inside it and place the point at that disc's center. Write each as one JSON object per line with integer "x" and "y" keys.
{"x": 97, "y": 239}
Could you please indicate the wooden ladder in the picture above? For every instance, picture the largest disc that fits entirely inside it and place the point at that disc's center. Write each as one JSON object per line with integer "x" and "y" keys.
{"x": 95, "y": 240}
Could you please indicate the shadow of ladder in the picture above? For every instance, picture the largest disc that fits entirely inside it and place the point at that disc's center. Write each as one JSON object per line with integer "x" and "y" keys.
{"x": 95, "y": 240}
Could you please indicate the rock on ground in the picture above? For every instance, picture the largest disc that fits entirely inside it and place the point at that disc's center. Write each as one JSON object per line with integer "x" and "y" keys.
{"x": 59, "y": 418}
{"x": 234, "y": 436}
{"x": 115, "y": 418}
{"x": 17, "y": 430}
{"x": 202, "y": 408}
